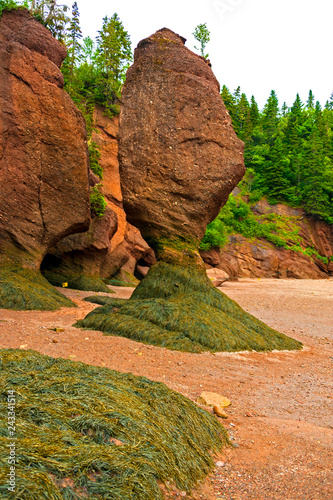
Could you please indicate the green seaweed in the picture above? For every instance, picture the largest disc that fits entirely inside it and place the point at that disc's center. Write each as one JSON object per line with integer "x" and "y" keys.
{"x": 177, "y": 307}
{"x": 77, "y": 281}
{"x": 123, "y": 278}
{"x": 94, "y": 433}
{"x": 25, "y": 289}
{"x": 103, "y": 299}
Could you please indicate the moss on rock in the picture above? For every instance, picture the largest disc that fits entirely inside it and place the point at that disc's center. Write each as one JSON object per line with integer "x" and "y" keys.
{"x": 25, "y": 289}
{"x": 90, "y": 432}
{"x": 123, "y": 278}
{"x": 77, "y": 281}
{"x": 177, "y": 307}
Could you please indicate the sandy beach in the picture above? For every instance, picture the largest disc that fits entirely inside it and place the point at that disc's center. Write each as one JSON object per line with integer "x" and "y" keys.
{"x": 281, "y": 417}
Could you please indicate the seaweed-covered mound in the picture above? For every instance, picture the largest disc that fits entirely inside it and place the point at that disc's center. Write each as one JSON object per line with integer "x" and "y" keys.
{"x": 93, "y": 433}
{"x": 177, "y": 307}
{"x": 25, "y": 289}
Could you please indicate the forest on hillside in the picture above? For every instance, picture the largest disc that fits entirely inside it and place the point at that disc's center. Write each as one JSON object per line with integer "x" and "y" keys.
{"x": 288, "y": 150}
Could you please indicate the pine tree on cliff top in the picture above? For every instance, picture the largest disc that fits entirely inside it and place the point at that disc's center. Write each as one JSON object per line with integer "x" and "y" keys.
{"x": 74, "y": 36}
{"x": 113, "y": 55}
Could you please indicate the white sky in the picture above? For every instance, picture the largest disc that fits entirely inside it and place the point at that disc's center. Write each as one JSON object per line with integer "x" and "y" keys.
{"x": 285, "y": 45}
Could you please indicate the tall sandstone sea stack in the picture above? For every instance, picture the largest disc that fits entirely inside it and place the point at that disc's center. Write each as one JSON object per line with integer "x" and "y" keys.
{"x": 44, "y": 192}
{"x": 179, "y": 159}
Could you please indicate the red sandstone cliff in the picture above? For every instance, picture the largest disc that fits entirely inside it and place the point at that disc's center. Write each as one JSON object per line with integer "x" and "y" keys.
{"x": 44, "y": 192}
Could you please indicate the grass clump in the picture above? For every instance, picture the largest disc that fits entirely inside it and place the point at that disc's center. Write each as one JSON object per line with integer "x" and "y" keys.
{"x": 177, "y": 307}
{"x": 93, "y": 433}
{"x": 77, "y": 281}
{"x": 24, "y": 289}
{"x": 97, "y": 201}
{"x": 94, "y": 157}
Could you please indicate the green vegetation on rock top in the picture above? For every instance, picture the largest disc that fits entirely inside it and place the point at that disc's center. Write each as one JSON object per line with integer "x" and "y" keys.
{"x": 236, "y": 217}
{"x": 7, "y": 5}
{"x": 93, "y": 433}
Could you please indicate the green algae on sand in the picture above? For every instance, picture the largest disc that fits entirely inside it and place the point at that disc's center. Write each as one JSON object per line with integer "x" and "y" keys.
{"x": 25, "y": 289}
{"x": 77, "y": 281}
{"x": 94, "y": 433}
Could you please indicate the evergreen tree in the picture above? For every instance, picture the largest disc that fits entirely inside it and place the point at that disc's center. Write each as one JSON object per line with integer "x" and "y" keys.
{"x": 75, "y": 34}
{"x": 237, "y": 95}
{"x": 310, "y": 101}
{"x": 112, "y": 57}
{"x": 329, "y": 103}
{"x": 270, "y": 118}
{"x": 230, "y": 104}
{"x": 254, "y": 113}
{"x": 284, "y": 109}
{"x": 295, "y": 120}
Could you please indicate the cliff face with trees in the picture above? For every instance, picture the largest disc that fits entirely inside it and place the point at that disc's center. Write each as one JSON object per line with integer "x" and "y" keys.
{"x": 279, "y": 221}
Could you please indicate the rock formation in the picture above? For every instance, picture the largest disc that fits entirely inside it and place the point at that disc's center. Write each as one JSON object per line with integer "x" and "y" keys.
{"x": 179, "y": 160}
{"x": 242, "y": 258}
{"x": 112, "y": 246}
{"x": 127, "y": 245}
{"x": 179, "y": 155}
{"x": 44, "y": 194}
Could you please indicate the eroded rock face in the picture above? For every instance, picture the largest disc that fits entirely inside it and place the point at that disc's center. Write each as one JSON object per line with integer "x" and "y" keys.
{"x": 126, "y": 246}
{"x": 44, "y": 194}
{"x": 179, "y": 155}
{"x": 111, "y": 244}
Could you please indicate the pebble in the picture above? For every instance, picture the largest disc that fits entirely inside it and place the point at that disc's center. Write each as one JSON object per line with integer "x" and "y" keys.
{"x": 219, "y": 411}
{"x": 213, "y": 399}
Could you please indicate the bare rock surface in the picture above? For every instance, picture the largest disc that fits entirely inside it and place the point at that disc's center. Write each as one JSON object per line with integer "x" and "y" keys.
{"x": 43, "y": 154}
{"x": 179, "y": 155}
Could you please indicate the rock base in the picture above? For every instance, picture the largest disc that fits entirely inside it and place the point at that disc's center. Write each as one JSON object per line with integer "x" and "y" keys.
{"x": 177, "y": 307}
